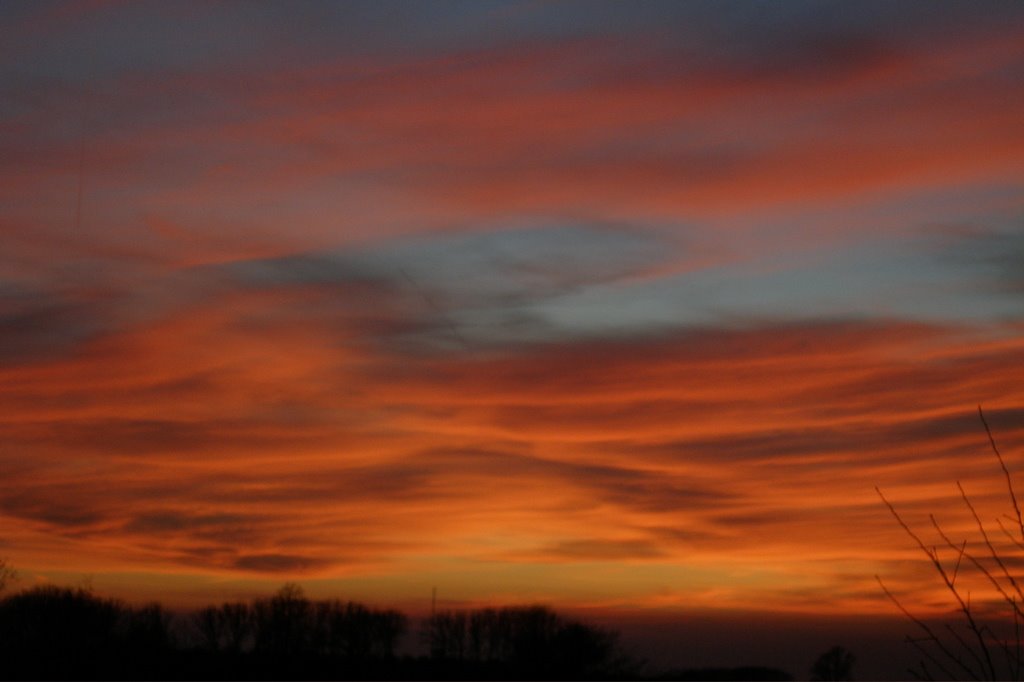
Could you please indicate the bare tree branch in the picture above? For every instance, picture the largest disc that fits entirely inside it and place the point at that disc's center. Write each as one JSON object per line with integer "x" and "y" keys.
{"x": 977, "y": 564}
{"x": 1007, "y": 533}
{"x": 1006, "y": 472}
{"x": 972, "y": 655}
{"x": 931, "y": 637}
{"x": 988, "y": 543}
{"x": 965, "y": 606}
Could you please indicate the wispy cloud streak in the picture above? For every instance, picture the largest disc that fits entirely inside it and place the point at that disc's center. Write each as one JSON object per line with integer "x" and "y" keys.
{"x": 670, "y": 287}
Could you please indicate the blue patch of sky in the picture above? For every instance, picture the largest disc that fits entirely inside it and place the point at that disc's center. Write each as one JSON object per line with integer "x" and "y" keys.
{"x": 576, "y": 280}
{"x": 535, "y": 261}
{"x": 536, "y": 281}
{"x": 490, "y": 285}
{"x": 883, "y": 279}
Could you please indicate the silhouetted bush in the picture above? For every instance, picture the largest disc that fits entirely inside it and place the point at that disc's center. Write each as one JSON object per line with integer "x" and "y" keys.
{"x": 52, "y": 632}
{"x": 834, "y": 664}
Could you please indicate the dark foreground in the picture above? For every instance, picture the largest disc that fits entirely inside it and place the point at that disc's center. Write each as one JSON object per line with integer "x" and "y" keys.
{"x": 61, "y": 633}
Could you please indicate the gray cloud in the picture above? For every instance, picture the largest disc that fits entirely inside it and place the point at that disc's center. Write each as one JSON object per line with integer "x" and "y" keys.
{"x": 464, "y": 287}
{"x": 992, "y": 259}
{"x": 1004, "y": 252}
{"x": 37, "y": 325}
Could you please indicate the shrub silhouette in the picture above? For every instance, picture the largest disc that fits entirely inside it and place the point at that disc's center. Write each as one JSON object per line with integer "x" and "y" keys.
{"x": 834, "y": 664}
{"x": 52, "y": 632}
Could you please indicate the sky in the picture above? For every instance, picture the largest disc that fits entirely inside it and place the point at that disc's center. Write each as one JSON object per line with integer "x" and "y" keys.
{"x": 625, "y": 307}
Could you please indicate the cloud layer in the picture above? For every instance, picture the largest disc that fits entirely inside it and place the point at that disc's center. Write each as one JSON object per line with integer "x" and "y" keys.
{"x": 660, "y": 294}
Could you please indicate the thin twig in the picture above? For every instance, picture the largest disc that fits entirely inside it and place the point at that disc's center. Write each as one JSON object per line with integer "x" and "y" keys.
{"x": 916, "y": 643}
{"x": 977, "y": 564}
{"x": 961, "y": 550}
{"x": 924, "y": 675}
{"x": 1016, "y": 629}
{"x": 988, "y": 543}
{"x": 931, "y": 636}
{"x": 1007, "y": 533}
{"x": 967, "y": 647}
{"x": 951, "y": 651}
{"x": 965, "y": 607}
{"x": 1006, "y": 472}
{"x": 1006, "y": 649}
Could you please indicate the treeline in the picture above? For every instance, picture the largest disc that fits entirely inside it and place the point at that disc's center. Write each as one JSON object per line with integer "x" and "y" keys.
{"x": 528, "y": 642}
{"x": 288, "y": 625}
{"x": 63, "y": 633}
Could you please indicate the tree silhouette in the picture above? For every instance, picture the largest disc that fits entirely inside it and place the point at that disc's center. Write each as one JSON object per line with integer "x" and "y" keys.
{"x": 532, "y": 642}
{"x": 388, "y": 628}
{"x": 147, "y": 629}
{"x": 68, "y": 633}
{"x": 7, "y": 574}
{"x": 283, "y": 623}
{"x": 236, "y": 623}
{"x": 228, "y": 627}
{"x": 834, "y": 664}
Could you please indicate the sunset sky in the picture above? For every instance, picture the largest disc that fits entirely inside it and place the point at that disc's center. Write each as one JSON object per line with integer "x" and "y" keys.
{"x": 608, "y": 305}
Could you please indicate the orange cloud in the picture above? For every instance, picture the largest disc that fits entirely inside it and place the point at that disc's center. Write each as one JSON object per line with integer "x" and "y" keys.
{"x": 206, "y": 373}
{"x": 191, "y": 442}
